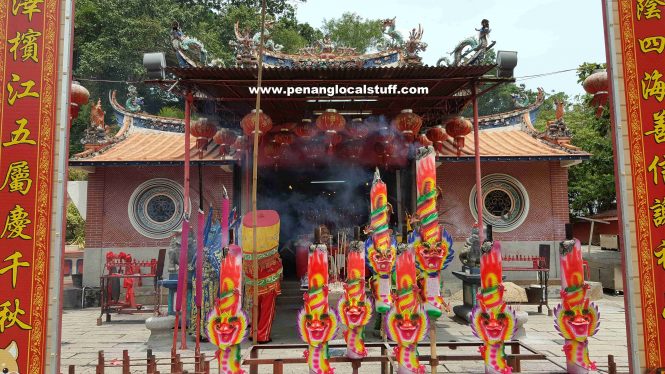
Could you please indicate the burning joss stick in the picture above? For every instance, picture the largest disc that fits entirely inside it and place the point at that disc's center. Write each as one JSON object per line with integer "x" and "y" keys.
{"x": 431, "y": 243}
{"x": 381, "y": 247}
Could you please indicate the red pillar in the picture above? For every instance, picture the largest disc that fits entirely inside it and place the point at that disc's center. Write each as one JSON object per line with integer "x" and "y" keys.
{"x": 476, "y": 146}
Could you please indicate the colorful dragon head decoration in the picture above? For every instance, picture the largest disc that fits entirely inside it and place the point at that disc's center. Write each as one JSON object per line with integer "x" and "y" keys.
{"x": 576, "y": 317}
{"x": 406, "y": 322}
{"x": 316, "y": 322}
{"x": 381, "y": 246}
{"x": 227, "y": 323}
{"x": 431, "y": 243}
{"x": 355, "y": 310}
{"x": 491, "y": 319}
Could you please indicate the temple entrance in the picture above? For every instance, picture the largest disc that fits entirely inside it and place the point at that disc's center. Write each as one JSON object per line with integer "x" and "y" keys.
{"x": 333, "y": 195}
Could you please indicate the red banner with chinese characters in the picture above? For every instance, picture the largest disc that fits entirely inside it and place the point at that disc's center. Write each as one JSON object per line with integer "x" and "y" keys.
{"x": 28, "y": 67}
{"x": 642, "y": 25}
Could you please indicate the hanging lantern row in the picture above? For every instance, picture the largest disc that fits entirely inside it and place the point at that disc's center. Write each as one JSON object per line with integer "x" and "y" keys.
{"x": 597, "y": 85}
{"x": 332, "y": 124}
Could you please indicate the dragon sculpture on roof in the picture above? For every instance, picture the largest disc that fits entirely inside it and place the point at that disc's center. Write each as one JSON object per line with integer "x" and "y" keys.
{"x": 471, "y": 50}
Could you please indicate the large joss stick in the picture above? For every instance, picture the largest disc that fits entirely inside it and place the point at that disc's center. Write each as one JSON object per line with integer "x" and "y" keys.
{"x": 491, "y": 319}
{"x": 576, "y": 318}
{"x": 355, "y": 310}
{"x": 227, "y": 323}
{"x": 316, "y": 322}
{"x": 381, "y": 246}
{"x": 406, "y": 322}
{"x": 431, "y": 243}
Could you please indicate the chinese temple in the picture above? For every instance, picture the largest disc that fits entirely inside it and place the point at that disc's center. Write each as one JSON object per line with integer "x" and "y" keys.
{"x": 315, "y": 175}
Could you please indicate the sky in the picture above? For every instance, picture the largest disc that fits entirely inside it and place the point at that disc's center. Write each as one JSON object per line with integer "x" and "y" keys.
{"x": 549, "y": 35}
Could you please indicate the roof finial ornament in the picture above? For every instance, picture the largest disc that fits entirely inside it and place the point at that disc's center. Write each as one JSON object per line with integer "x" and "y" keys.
{"x": 185, "y": 45}
{"x": 470, "y": 51}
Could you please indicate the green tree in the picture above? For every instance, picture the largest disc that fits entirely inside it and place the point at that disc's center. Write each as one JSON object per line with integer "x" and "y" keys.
{"x": 75, "y": 227}
{"x": 591, "y": 186}
{"x": 351, "y": 30}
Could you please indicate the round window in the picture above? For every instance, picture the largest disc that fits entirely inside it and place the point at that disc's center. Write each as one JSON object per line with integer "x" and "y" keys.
{"x": 156, "y": 208}
{"x": 505, "y": 200}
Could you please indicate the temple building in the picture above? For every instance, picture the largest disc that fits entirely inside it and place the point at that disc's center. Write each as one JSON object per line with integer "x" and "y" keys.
{"x": 313, "y": 175}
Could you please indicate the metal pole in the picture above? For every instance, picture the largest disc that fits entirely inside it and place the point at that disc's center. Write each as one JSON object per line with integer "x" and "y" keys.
{"x": 476, "y": 146}
{"x": 189, "y": 98}
{"x": 255, "y": 156}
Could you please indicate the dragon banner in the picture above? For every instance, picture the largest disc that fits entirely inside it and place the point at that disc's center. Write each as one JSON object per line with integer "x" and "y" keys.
{"x": 381, "y": 246}
{"x": 431, "y": 243}
{"x": 227, "y": 323}
{"x": 316, "y": 322}
{"x": 491, "y": 319}
{"x": 576, "y": 318}
{"x": 355, "y": 310}
{"x": 406, "y": 322}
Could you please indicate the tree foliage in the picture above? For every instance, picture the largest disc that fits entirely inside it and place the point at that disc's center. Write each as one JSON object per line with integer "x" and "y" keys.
{"x": 75, "y": 226}
{"x": 352, "y": 30}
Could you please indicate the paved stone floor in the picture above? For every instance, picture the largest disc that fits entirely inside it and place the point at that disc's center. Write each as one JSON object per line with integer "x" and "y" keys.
{"x": 82, "y": 339}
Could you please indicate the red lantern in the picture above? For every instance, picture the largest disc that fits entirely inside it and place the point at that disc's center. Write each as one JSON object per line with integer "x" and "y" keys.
{"x": 408, "y": 123}
{"x": 203, "y": 129}
{"x": 305, "y": 129}
{"x": 353, "y": 149}
{"x": 458, "y": 128}
{"x": 225, "y": 138}
{"x": 357, "y": 128}
{"x": 331, "y": 122}
{"x": 424, "y": 141}
{"x": 272, "y": 150}
{"x": 79, "y": 96}
{"x": 284, "y": 137}
{"x": 437, "y": 136}
{"x": 385, "y": 134}
{"x": 248, "y": 123}
{"x": 241, "y": 143}
{"x": 596, "y": 84}
{"x": 314, "y": 150}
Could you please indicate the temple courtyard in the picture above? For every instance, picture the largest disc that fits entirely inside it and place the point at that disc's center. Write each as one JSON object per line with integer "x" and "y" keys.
{"x": 82, "y": 339}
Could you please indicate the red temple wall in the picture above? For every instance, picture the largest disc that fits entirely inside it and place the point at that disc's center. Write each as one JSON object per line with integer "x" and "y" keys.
{"x": 546, "y": 184}
{"x": 109, "y": 191}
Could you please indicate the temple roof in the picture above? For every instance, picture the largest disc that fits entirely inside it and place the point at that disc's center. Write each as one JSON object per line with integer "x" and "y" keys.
{"x": 148, "y": 147}
{"x": 449, "y": 89}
